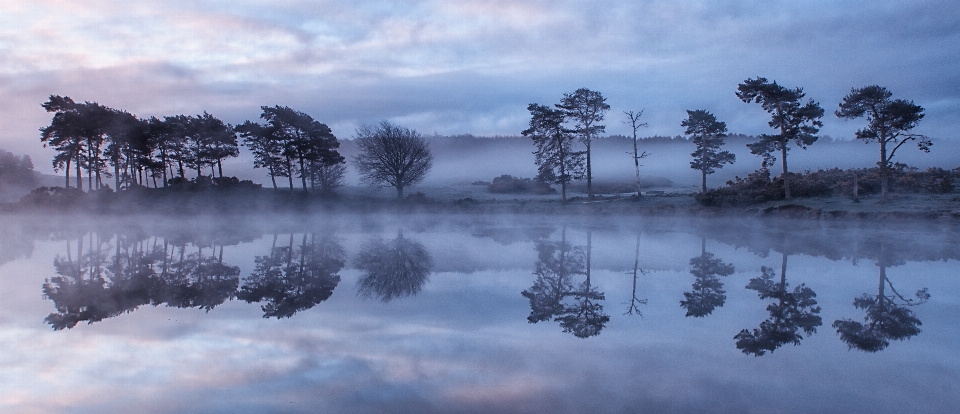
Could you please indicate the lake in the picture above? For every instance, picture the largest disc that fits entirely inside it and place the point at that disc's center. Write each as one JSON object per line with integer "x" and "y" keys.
{"x": 473, "y": 313}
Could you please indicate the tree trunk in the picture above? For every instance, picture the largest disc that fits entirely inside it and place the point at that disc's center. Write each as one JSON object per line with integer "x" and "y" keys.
{"x": 290, "y": 174}
{"x": 589, "y": 173}
{"x": 67, "y": 170}
{"x": 636, "y": 162}
{"x": 786, "y": 176}
{"x": 703, "y": 182}
{"x": 303, "y": 176}
{"x": 884, "y": 169}
{"x": 399, "y": 192}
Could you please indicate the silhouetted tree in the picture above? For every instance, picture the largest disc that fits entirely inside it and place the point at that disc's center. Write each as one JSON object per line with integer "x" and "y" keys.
{"x": 78, "y": 132}
{"x": 392, "y": 269}
{"x": 792, "y": 312}
{"x": 326, "y": 177}
{"x": 16, "y": 171}
{"x": 392, "y": 156}
{"x": 634, "y": 125}
{"x": 707, "y": 292}
{"x": 292, "y": 281}
{"x": 585, "y": 108}
{"x": 888, "y": 123}
{"x": 302, "y": 138}
{"x": 795, "y": 122}
{"x": 707, "y": 134}
{"x": 556, "y": 162}
{"x": 267, "y": 151}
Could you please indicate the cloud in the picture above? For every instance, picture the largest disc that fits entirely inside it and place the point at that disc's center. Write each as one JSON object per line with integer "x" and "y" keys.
{"x": 472, "y": 66}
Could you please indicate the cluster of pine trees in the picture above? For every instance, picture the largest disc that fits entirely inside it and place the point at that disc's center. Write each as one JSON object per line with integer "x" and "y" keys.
{"x": 102, "y": 142}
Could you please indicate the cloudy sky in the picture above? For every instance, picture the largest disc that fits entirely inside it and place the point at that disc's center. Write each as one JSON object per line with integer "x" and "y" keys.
{"x": 468, "y": 66}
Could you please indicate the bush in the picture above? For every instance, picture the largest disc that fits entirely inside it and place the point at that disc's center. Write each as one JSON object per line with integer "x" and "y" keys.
{"x": 758, "y": 187}
{"x": 508, "y": 184}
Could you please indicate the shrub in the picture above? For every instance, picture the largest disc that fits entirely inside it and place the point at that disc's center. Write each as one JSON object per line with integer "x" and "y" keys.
{"x": 508, "y": 184}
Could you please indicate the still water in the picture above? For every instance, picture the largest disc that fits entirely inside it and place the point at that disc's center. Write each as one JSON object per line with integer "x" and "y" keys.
{"x": 409, "y": 313}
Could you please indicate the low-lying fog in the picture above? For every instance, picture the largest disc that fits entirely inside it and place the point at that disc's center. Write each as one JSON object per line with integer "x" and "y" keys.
{"x": 466, "y": 159}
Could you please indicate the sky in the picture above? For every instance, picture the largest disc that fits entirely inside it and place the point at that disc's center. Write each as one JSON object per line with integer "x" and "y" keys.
{"x": 471, "y": 66}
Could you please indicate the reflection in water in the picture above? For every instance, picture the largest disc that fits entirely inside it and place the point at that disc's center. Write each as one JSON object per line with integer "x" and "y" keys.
{"x": 557, "y": 263}
{"x": 291, "y": 281}
{"x": 394, "y": 268}
{"x": 92, "y": 287}
{"x": 634, "y": 301}
{"x": 793, "y": 311}
{"x": 885, "y": 318}
{"x": 707, "y": 292}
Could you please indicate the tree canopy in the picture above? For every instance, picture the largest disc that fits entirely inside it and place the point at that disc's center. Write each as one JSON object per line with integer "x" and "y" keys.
{"x": 796, "y": 122}
{"x": 392, "y": 156}
{"x": 888, "y": 123}
{"x": 556, "y": 162}
{"x": 707, "y": 134}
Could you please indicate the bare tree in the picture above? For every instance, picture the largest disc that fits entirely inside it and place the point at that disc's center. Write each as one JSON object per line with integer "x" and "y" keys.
{"x": 636, "y": 124}
{"x": 392, "y": 156}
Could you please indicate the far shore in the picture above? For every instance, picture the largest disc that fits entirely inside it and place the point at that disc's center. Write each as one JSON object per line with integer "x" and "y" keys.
{"x": 468, "y": 199}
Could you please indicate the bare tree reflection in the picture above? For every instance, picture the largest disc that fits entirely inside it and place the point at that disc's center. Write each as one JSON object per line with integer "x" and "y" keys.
{"x": 556, "y": 266}
{"x": 887, "y": 316}
{"x": 707, "y": 292}
{"x": 793, "y": 311}
{"x": 393, "y": 269}
{"x": 634, "y": 301}
{"x": 292, "y": 281}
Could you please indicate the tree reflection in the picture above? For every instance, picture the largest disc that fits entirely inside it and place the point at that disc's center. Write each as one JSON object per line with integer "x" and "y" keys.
{"x": 291, "y": 281}
{"x": 92, "y": 287}
{"x": 634, "y": 301}
{"x": 793, "y": 311}
{"x": 556, "y": 266}
{"x": 707, "y": 292}
{"x": 196, "y": 280}
{"x": 887, "y": 317}
{"x": 393, "y": 269}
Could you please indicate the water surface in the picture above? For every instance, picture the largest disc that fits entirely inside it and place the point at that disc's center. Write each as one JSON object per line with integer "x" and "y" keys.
{"x": 353, "y": 313}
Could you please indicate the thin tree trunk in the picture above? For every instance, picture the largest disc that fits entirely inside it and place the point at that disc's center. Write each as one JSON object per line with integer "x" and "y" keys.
{"x": 884, "y": 170}
{"x": 786, "y": 176}
{"x": 67, "y": 170}
{"x": 589, "y": 173}
{"x": 636, "y": 162}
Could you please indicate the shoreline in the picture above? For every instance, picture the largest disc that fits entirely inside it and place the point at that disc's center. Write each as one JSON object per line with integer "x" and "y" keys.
{"x": 242, "y": 202}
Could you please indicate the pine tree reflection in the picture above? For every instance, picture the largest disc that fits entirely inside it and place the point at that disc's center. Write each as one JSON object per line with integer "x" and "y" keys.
{"x": 885, "y": 318}
{"x": 393, "y": 269}
{"x": 792, "y": 312}
{"x": 292, "y": 281}
{"x": 707, "y": 292}
{"x": 556, "y": 266}
{"x": 87, "y": 290}
{"x": 92, "y": 288}
{"x": 196, "y": 280}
